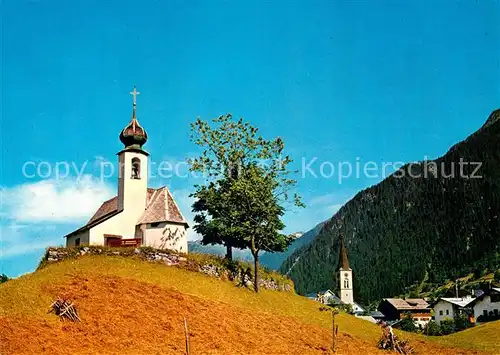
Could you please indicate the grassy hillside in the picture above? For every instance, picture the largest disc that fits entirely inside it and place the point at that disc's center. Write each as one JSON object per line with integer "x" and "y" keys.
{"x": 427, "y": 220}
{"x": 129, "y": 306}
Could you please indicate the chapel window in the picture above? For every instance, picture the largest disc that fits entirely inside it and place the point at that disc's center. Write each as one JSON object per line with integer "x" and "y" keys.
{"x": 136, "y": 168}
{"x": 346, "y": 283}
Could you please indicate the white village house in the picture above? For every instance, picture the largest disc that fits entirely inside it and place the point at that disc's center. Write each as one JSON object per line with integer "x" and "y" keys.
{"x": 487, "y": 305}
{"x": 484, "y": 308}
{"x": 138, "y": 215}
{"x": 449, "y": 308}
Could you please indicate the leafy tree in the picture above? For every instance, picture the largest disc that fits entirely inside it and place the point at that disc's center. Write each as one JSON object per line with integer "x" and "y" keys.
{"x": 248, "y": 186}
{"x": 407, "y": 323}
{"x": 211, "y": 218}
{"x": 3, "y": 278}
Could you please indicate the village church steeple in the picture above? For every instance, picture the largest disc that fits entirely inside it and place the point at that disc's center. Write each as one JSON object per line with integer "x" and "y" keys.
{"x": 345, "y": 275}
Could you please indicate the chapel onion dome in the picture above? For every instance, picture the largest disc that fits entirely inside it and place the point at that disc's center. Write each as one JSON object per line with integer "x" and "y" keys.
{"x": 133, "y": 135}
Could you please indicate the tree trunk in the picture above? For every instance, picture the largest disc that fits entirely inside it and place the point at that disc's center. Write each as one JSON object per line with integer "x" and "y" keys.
{"x": 256, "y": 272}
{"x": 229, "y": 252}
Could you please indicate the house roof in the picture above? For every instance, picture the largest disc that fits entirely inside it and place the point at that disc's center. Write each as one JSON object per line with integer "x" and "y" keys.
{"x": 160, "y": 207}
{"x": 478, "y": 292}
{"x": 343, "y": 261}
{"x": 461, "y": 302}
{"x": 377, "y": 314}
{"x": 493, "y": 290}
{"x": 408, "y": 304}
{"x": 107, "y": 210}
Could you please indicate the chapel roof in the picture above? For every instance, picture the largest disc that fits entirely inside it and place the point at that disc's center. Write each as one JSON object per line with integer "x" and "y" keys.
{"x": 160, "y": 207}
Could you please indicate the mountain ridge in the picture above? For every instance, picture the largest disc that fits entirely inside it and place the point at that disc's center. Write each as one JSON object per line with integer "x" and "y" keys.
{"x": 437, "y": 225}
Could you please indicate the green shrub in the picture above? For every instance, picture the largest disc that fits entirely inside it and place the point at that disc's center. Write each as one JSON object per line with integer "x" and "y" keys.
{"x": 432, "y": 329}
{"x": 462, "y": 322}
{"x": 3, "y": 278}
{"x": 407, "y": 323}
{"x": 447, "y": 326}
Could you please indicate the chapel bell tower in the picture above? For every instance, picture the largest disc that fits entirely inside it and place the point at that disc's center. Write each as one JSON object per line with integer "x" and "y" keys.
{"x": 133, "y": 168}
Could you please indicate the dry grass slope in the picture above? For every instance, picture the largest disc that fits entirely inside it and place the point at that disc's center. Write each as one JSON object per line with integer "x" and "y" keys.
{"x": 134, "y": 307}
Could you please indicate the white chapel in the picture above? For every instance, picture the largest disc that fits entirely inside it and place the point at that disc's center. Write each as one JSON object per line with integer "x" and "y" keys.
{"x": 138, "y": 215}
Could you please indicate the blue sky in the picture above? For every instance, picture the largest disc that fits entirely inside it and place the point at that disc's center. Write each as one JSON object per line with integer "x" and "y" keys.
{"x": 338, "y": 81}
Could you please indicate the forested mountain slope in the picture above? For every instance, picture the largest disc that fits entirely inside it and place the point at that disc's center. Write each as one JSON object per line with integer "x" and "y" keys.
{"x": 440, "y": 224}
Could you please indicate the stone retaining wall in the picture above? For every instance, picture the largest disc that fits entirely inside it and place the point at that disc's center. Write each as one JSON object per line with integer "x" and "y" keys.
{"x": 239, "y": 273}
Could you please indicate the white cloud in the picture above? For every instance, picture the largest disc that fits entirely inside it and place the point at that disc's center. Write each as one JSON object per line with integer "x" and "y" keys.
{"x": 56, "y": 201}
{"x": 37, "y": 215}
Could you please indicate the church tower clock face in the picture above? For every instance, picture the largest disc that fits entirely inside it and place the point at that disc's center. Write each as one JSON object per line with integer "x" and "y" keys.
{"x": 346, "y": 275}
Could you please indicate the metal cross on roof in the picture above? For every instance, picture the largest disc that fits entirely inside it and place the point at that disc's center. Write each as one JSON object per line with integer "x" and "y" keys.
{"x": 134, "y": 93}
